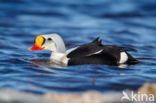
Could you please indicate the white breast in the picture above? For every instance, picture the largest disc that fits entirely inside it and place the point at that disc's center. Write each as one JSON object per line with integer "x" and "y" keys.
{"x": 59, "y": 57}
{"x": 123, "y": 57}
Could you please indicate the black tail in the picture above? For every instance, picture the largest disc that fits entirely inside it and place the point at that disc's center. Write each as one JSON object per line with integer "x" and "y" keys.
{"x": 132, "y": 60}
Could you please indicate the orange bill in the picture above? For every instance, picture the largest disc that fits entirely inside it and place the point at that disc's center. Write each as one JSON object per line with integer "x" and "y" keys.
{"x": 39, "y": 40}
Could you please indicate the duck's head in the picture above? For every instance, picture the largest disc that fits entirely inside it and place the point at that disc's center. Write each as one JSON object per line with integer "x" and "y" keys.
{"x": 52, "y": 42}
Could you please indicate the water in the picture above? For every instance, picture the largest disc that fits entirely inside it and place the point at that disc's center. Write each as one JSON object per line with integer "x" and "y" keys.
{"x": 126, "y": 23}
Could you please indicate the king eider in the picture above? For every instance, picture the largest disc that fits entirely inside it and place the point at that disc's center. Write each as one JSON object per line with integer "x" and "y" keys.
{"x": 92, "y": 53}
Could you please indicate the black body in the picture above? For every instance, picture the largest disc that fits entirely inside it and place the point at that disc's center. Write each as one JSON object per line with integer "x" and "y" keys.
{"x": 96, "y": 53}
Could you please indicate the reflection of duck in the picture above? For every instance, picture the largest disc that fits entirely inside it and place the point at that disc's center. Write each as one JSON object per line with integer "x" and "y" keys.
{"x": 91, "y": 53}
{"x": 43, "y": 62}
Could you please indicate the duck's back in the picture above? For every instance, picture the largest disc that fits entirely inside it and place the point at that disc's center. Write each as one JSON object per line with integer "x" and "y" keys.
{"x": 96, "y": 53}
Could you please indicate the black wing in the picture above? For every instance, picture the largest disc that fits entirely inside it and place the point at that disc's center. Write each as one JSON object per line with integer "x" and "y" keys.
{"x": 86, "y": 49}
{"x": 100, "y": 58}
{"x": 96, "y": 53}
{"x": 110, "y": 55}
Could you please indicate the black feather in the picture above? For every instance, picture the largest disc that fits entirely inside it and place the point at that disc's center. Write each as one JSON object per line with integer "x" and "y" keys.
{"x": 102, "y": 58}
{"x": 86, "y": 49}
{"x": 96, "y": 40}
{"x": 89, "y": 54}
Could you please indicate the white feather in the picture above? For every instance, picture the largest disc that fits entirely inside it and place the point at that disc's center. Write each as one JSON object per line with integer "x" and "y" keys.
{"x": 58, "y": 51}
{"x": 60, "y": 46}
{"x": 59, "y": 57}
{"x": 96, "y": 52}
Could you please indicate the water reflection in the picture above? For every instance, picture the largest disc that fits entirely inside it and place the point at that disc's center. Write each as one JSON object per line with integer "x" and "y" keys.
{"x": 47, "y": 62}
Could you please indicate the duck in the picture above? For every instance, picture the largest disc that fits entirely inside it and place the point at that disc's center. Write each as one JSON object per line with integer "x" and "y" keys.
{"x": 93, "y": 52}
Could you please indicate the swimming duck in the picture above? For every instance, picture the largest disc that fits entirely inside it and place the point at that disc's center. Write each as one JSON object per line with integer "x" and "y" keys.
{"x": 91, "y": 53}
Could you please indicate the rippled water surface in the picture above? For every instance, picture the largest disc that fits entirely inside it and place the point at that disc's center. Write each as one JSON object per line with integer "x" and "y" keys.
{"x": 126, "y": 23}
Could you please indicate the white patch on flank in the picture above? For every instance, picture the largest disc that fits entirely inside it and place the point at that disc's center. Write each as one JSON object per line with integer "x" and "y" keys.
{"x": 70, "y": 50}
{"x": 123, "y": 57}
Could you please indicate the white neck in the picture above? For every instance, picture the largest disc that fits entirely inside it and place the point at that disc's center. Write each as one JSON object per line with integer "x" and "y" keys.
{"x": 59, "y": 58}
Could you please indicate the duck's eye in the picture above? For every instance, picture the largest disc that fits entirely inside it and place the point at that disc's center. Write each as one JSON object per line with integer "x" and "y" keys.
{"x": 49, "y": 39}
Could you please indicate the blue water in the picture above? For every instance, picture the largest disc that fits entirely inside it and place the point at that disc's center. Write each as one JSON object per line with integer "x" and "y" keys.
{"x": 127, "y": 23}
